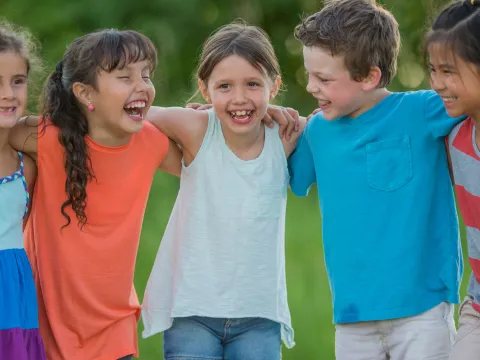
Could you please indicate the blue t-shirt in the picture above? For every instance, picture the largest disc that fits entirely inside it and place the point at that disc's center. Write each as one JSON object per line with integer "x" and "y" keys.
{"x": 390, "y": 228}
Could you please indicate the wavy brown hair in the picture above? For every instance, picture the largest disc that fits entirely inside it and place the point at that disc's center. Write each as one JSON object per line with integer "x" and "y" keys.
{"x": 104, "y": 50}
{"x": 362, "y": 31}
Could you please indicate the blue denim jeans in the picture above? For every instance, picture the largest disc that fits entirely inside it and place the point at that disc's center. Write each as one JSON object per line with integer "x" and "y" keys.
{"x": 194, "y": 338}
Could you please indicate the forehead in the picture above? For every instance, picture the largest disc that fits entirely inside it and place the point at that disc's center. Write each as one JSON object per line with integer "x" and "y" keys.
{"x": 318, "y": 59}
{"x": 440, "y": 52}
{"x": 235, "y": 66}
{"x": 12, "y": 63}
{"x": 135, "y": 65}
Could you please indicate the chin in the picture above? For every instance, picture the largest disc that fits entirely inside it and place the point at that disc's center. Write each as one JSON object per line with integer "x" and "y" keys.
{"x": 134, "y": 128}
{"x": 330, "y": 115}
{"x": 454, "y": 113}
{"x": 7, "y": 123}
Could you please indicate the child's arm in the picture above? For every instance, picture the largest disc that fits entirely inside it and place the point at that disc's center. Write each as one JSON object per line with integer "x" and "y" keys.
{"x": 439, "y": 123}
{"x": 301, "y": 166}
{"x": 23, "y": 137}
{"x": 30, "y": 172}
{"x": 290, "y": 144}
{"x": 186, "y": 127}
{"x": 172, "y": 162}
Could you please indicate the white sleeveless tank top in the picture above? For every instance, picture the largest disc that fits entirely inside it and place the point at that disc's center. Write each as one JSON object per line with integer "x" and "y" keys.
{"x": 223, "y": 251}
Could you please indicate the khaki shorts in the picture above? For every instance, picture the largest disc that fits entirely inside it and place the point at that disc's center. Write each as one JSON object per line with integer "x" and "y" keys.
{"x": 467, "y": 341}
{"x": 429, "y": 335}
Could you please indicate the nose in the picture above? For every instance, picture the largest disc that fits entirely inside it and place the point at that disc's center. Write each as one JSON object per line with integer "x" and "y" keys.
{"x": 312, "y": 88}
{"x": 239, "y": 95}
{"x": 142, "y": 85}
{"x": 436, "y": 82}
{"x": 7, "y": 92}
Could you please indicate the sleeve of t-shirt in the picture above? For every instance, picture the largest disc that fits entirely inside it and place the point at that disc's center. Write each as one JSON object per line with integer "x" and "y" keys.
{"x": 47, "y": 141}
{"x": 301, "y": 166}
{"x": 157, "y": 143}
{"x": 439, "y": 123}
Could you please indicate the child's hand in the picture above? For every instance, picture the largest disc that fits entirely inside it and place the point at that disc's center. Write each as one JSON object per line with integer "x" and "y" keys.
{"x": 316, "y": 111}
{"x": 198, "y": 106}
{"x": 287, "y": 118}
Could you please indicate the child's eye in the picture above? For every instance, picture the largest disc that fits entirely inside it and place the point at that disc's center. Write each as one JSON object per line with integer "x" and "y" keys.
{"x": 124, "y": 77}
{"x": 323, "y": 80}
{"x": 253, "y": 84}
{"x": 19, "y": 81}
{"x": 223, "y": 86}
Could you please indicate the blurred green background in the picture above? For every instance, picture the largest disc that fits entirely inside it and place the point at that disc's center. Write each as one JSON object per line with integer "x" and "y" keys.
{"x": 178, "y": 28}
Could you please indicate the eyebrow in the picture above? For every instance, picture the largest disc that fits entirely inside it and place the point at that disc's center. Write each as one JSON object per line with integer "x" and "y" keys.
{"x": 444, "y": 66}
{"x": 17, "y": 76}
{"x": 247, "y": 79}
{"x": 317, "y": 73}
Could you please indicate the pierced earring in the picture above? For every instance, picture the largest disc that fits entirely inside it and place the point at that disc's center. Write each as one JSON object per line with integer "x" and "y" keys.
{"x": 91, "y": 107}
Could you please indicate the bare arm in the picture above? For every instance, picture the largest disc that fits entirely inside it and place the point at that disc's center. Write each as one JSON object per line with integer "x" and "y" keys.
{"x": 290, "y": 144}
{"x": 23, "y": 137}
{"x": 30, "y": 172}
{"x": 187, "y": 127}
{"x": 172, "y": 163}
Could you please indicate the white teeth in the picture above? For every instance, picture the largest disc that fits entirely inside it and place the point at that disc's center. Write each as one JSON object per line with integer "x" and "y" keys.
{"x": 241, "y": 113}
{"x": 447, "y": 99}
{"x": 7, "y": 109}
{"x": 136, "y": 104}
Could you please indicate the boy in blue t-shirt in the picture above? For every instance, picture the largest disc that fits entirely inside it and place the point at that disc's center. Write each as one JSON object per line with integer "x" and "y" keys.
{"x": 390, "y": 228}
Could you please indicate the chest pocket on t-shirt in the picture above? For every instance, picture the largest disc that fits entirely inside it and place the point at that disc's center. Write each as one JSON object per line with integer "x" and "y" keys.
{"x": 389, "y": 163}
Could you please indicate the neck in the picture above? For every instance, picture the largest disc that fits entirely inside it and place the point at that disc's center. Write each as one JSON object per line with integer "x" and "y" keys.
{"x": 372, "y": 99}
{"x": 243, "y": 142}
{"x": 106, "y": 137}
{"x": 476, "y": 120}
{"x": 4, "y": 146}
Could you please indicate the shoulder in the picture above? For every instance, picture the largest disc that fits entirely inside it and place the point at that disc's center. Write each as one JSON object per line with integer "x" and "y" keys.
{"x": 151, "y": 142}
{"x": 29, "y": 170}
{"x": 462, "y": 131}
{"x": 152, "y": 135}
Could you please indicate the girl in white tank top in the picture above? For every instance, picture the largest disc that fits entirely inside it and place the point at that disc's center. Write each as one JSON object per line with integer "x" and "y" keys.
{"x": 217, "y": 289}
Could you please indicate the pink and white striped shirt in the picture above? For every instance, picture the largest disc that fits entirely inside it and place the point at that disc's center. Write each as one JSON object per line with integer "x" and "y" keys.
{"x": 465, "y": 157}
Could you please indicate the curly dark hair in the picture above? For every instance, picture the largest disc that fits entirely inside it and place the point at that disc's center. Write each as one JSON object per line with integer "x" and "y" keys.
{"x": 104, "y": 50}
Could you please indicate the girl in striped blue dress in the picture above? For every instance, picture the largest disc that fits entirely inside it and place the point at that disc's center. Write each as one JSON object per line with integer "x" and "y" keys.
{"x": 19, "y": 335}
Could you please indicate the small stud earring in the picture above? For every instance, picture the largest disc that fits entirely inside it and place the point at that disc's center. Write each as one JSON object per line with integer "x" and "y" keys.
{"x": 91, "y": 107}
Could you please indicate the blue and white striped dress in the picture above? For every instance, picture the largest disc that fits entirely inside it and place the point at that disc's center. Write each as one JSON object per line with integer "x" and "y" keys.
{"x": 19, "y": 335}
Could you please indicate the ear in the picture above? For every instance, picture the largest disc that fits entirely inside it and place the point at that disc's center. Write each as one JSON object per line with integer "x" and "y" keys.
{"x": 372, "y": 79}
{"x": 204, "y": 90}
{"x": 83, "y": 93}
{"x": 275, "y": 87}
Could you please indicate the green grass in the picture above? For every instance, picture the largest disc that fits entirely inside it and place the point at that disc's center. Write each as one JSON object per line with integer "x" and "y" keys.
{"x": 308, "y": 289}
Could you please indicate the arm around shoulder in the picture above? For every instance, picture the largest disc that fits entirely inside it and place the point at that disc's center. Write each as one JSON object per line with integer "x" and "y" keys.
{"x": 289, "y": 145}
{"x": 301, "y": 165}
{"x": 186, "y": 127}
{"x": 438, "y": 122}
{"x": 172, "y": 162}
{"x": 24, "y": 136}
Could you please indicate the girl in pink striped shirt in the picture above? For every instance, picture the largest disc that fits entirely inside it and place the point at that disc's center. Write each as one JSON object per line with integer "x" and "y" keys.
{"x": 453, "y": 48}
